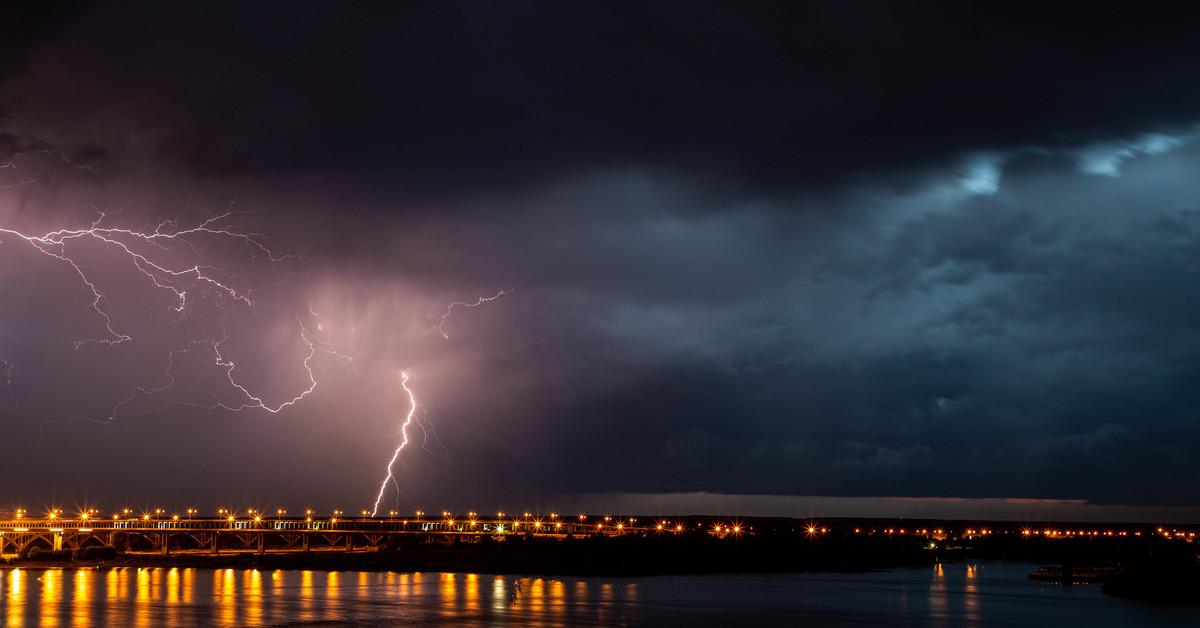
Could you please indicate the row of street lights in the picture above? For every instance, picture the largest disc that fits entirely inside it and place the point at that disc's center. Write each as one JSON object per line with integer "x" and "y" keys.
{"x": 158, "y": 513}
{"x": 527, "y": 518}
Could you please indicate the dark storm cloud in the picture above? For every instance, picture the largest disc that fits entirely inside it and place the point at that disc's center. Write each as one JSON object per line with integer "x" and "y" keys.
{"x": 26, "y": 25}
{"x": 778, "y": 248}
{"x": 480, "y": 96}
{"x": 1039, "y": 340}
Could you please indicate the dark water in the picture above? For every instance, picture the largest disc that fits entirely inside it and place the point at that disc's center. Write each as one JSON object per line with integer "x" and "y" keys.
{"x": 961, "y": 594}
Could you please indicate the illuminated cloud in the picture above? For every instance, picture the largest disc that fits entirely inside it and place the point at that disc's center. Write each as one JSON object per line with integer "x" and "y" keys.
{"x": 1105, "y": 158}
{"x": 981, "y": 173}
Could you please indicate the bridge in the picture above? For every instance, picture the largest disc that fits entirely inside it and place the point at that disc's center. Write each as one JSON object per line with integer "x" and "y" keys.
{"x": 255, "y": 531}
{"x": 261, "y": 534}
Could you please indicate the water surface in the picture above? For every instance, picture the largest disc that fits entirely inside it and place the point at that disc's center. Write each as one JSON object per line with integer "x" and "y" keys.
{"x": 961, "y": 594}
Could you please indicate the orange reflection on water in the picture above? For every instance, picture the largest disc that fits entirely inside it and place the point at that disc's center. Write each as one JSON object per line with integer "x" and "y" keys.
{"x": 332, "y": 594}
{"x": 558, "y": 599}
{"x": 51, "y": 594}
{"x": 16, "y": 597}
{"x": 537, "y": 596}
{"x": 937, "y": 595}
{"x": 189, "y": 586}
{"x": 306, "y": 596}
{"x": 173, "y": 593}
{"x": 364, "y": 584}
{"x": 971, "y": 596}
{"x": 272, "y": 600}
{"x": 449, "y": 591}
{"x": 141, "y": 608}
{"x": 114, "y": 587}
{"x": 225, "y": 596}
{"x": 499, "y": 597}
{"x": 252, "y": 597}
{"x": 81, "y": 609}
{"x": 472, "y": 594}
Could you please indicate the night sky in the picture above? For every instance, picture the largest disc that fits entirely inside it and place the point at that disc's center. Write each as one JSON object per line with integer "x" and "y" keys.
{"x": 797, "y": 250}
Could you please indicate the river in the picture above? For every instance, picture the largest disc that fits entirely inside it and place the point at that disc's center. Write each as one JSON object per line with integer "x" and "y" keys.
{"x": 952, "y": 594}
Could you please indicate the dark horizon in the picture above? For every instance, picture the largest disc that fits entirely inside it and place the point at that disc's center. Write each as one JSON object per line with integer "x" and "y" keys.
{"x": 778, "y": 254}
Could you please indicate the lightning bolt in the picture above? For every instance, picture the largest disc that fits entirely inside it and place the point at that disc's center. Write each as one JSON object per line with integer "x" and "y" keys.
{"x": 251, "y": 401}
{"x": 412, "y": 412}
{"x": 45, "y": 149}
{"x": 430, "y": 435}
{"x": 477, "y": 303}
{"x": 169, "y": 257}
{"x": 426, "y": 426}
{"x": 7, "y": 368}
{"x": 5, "y": 365}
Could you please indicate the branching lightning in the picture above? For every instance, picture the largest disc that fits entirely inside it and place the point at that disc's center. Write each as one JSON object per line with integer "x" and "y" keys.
{"x": 477, "y": 303}
{"x": 431, "y": 436}
{"x": 6, "y": 367}
{"x": 158, "y": 257}
{"x": 201, "y": 298}
{"x": 412, "y": 412}
{"x": 6, "y": 371}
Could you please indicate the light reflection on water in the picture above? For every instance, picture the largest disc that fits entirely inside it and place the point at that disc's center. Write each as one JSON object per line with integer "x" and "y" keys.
{"x": 966, "y": 594}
